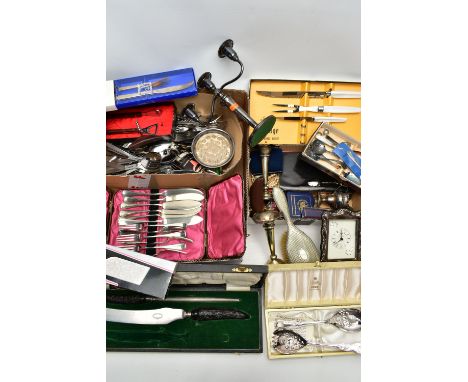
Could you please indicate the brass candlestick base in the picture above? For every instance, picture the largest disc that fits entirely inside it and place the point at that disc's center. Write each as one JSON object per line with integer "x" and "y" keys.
{"x": 267, "y": 218}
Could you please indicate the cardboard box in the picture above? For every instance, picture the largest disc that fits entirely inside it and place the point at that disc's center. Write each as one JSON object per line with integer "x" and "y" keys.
{"x": 237, "y": 166}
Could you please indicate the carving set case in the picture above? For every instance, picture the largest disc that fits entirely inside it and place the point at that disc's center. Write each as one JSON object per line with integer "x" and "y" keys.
{"x": 311, "y": 291}
{"x": 191, "y": 280}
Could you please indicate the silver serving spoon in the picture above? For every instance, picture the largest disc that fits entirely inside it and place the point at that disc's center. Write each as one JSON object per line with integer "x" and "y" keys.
{"x": 348, "y": 320}
{"x": 288, "y": 342}
{"x": 300, "y": 247}
{"x": 318, "y": 149}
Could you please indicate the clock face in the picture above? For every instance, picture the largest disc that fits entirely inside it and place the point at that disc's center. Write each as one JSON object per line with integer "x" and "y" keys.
{"x": 342, "y": 239}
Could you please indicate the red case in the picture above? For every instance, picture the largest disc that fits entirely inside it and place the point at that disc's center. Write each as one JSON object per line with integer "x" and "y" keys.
{"x": 155, "y": 119}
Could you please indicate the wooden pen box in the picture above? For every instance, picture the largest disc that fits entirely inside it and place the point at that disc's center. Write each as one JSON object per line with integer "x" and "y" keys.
{"x": 313, "y": 291}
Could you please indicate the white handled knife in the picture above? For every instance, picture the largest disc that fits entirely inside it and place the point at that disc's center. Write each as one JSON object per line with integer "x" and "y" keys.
{"x": 317, "y": 109}
{"x": 331, "y": 94}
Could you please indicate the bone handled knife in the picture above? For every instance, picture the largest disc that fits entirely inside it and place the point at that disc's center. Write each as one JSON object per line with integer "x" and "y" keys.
{"x": 165, "y": 316}
{"x": 328, "y": 109}
{"x": 331, "y": 94}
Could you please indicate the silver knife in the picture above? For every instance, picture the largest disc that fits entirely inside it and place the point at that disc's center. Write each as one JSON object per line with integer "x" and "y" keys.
{"x": 164, "y": 221}
{"x": 154, "y": 84}
{"x": 317, "y": 109}
{"x": 314, "y": 119}
{"x": 331, "y": 93}
{"x": 133, "y": 299}
{"x": 168, "y": 89}
{"x": 172, "y": 205}
{"x": 165, "y": 316}
{"x": 170, "y": 194}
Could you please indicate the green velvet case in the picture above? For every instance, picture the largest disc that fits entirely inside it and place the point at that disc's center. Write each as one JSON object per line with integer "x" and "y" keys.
{"x": 188, "y": 335}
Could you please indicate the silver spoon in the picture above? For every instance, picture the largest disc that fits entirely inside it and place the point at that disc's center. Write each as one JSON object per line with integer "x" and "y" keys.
{"x": 318, "y": 149}
{"x": 348, "y": 320}
{"x": 288, "y": 342}
{"x": 300, "y": 247}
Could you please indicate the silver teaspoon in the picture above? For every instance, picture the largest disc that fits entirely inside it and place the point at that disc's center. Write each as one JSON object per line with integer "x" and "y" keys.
{"x": 348, "y": 320}
{"x": 288, "y": 342}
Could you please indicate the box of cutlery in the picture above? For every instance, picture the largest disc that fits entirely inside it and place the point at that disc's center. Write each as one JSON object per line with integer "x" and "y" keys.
{"x": 143, "y": 90}
{"x": 191, "y": 154}
{"x": 335, "y": 153}
{"x": 300, "y": 107}
{"x": 209, "y": 308}
{"x": 313, "y": 309}
{"x": 181, "y": 224}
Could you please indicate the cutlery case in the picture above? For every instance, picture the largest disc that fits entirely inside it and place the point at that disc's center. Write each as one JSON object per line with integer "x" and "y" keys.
{"x": 299, "y": 131}
{"x": 218, "y": 280}
{"x": 221, "y": 234}
{"x": 327, "y": 167}
{"x": 311, "y": 291}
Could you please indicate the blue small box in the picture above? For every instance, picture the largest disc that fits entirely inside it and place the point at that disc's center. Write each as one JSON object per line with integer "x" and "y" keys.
{"x": 150, "y": 88}
{"x": 297, "y": 201}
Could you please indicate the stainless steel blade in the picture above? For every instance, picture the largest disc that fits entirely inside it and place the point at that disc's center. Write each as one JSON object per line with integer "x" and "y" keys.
{"x": 314, "y": 119}
{"x": 172, "y": 205}
{"x": 168, "y": 89}
{"x": 161, "y": 316}
{"x": 300, "y": 94}
{"x": 169, "y": 191}
{"x": 169, "y": 197}
{"x": 164, "y": 221}
{"x": 179, "y": 213}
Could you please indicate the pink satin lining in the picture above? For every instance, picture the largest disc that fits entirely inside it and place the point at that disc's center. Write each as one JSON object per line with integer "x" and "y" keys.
{"x": 225, "y": 219}
{"x": 193, "y": 251}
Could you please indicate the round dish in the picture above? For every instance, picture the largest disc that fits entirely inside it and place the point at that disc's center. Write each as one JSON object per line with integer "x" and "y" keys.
{"x": 213, "y": 148}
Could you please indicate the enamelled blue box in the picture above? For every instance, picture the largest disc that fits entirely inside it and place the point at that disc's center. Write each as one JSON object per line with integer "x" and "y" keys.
{"x": 150, "y": 88}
